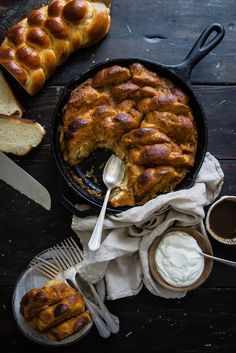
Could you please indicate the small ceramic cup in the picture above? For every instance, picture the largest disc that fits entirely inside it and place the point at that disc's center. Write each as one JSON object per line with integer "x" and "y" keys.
{"x": 221, "y": 220}
{"x": 203, "y": 243}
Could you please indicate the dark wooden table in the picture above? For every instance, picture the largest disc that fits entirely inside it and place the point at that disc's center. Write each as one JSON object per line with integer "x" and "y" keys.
{"x": 203, "y": 321}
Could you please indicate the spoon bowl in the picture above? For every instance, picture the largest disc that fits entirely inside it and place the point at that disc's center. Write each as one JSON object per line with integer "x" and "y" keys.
{"x": 113, "y": 174}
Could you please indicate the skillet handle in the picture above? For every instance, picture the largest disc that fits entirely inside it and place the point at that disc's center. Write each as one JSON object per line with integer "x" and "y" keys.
{"x": 200, "y": 49}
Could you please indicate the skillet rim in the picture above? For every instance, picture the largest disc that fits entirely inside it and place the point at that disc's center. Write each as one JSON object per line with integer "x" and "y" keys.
{"x": 162, "y": 70}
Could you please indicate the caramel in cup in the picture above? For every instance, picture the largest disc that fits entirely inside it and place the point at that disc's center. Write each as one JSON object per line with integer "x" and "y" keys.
{"x": 221, "y": 220}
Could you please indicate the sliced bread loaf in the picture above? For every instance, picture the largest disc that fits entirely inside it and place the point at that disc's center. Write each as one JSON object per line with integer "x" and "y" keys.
{"x": 18, "y": 135}
{"x": 8, "y": 102}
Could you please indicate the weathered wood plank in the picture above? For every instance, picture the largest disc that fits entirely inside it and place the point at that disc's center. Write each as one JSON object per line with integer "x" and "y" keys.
{"x": 156, "y": 30}
{"x": 204, "y": 321}
{"x": 219, "y": 104}
{"x": 148, "y": 323}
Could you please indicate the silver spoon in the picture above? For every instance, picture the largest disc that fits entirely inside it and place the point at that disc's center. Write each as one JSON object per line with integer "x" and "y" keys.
{"x": 218, "y": 259}
{"x": 113, "y": 174}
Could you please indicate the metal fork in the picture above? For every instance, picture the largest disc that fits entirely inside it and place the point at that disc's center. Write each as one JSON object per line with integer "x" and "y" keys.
{"x": 73, "y": 256}
{"x": 52, "y": 271}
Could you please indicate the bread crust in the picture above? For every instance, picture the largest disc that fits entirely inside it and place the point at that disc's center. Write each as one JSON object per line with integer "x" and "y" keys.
{"x": 57, "y": 313}
{"x": 69, "y": 327}
{"x": 143, "y": 118}
{"x": 38, "y": 299}
{"x": 36, "y": 45}
{"x": 55, "y": 310}
{"x": 6, "y": 87}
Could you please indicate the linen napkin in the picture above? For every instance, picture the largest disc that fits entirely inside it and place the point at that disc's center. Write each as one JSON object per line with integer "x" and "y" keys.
{"x": 122, "y": 259}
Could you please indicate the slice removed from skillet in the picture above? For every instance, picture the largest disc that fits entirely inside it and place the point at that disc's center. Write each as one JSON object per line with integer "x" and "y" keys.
{"x": 143, "y": 118}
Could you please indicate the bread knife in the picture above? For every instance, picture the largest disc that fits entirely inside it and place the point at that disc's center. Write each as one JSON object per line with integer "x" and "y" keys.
{"x": 19, "y": 179}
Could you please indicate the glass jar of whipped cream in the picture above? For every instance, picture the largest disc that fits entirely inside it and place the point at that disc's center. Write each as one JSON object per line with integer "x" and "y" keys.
{"x": 178, "y": 259}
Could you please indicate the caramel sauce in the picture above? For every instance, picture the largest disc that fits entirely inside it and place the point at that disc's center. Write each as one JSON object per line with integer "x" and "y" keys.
{"x": 222, "y": 219}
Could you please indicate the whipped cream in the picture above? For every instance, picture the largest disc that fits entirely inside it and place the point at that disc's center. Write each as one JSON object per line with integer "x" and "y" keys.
{"x": 178, "y": 259}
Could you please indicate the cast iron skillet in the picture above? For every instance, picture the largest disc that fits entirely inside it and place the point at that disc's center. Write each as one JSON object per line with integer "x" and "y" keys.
{"x": 90, "y": 170}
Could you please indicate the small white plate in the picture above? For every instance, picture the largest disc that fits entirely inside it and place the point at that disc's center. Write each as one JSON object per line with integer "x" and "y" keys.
{"x": 31, "y": 278}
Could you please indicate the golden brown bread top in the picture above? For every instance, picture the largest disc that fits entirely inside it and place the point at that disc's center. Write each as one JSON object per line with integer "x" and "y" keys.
{"x": 59, "y": 312}
{"x": 155, "y": 179}
{"x": 36, "y": 45}
{"x": 56, "y": 310}
{"x": 69, "y": 327}
{"x": 38, "y": 299}
{"x": 143, "y": 118}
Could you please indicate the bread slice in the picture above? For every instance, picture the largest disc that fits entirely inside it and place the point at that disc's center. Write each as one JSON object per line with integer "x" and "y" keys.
{"x": 8, "y": 102}
{"x": 18, "y": 135}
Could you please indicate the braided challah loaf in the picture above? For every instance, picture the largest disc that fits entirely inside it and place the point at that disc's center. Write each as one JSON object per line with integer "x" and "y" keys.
{"x": 39, "y": 43}
{"x": 143, "y": 118}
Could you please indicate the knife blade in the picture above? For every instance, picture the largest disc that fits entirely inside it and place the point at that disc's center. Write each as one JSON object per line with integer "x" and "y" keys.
{"x": 19, "y": 179}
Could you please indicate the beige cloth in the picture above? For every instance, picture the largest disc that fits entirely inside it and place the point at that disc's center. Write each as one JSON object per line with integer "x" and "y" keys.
{"x": 122, "y": 258}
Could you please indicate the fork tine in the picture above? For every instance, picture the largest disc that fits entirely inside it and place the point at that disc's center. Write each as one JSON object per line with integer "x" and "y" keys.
{"x": 68, "y": 253}
{"x": 80, "y": 253}
{"x": 45, "y": 272}
{"x": 74, "y": 252}
{"x": 59, "y": 261}
{"x": 62, "y": 257}
{"x": 47, "y": 263}
{"x": 71, "y": 249}
{"x": 44, "y": 268}
{"x": 62, "y": 251}
{"x": 77, "y": 249}
{"x": 73, "y": 242}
